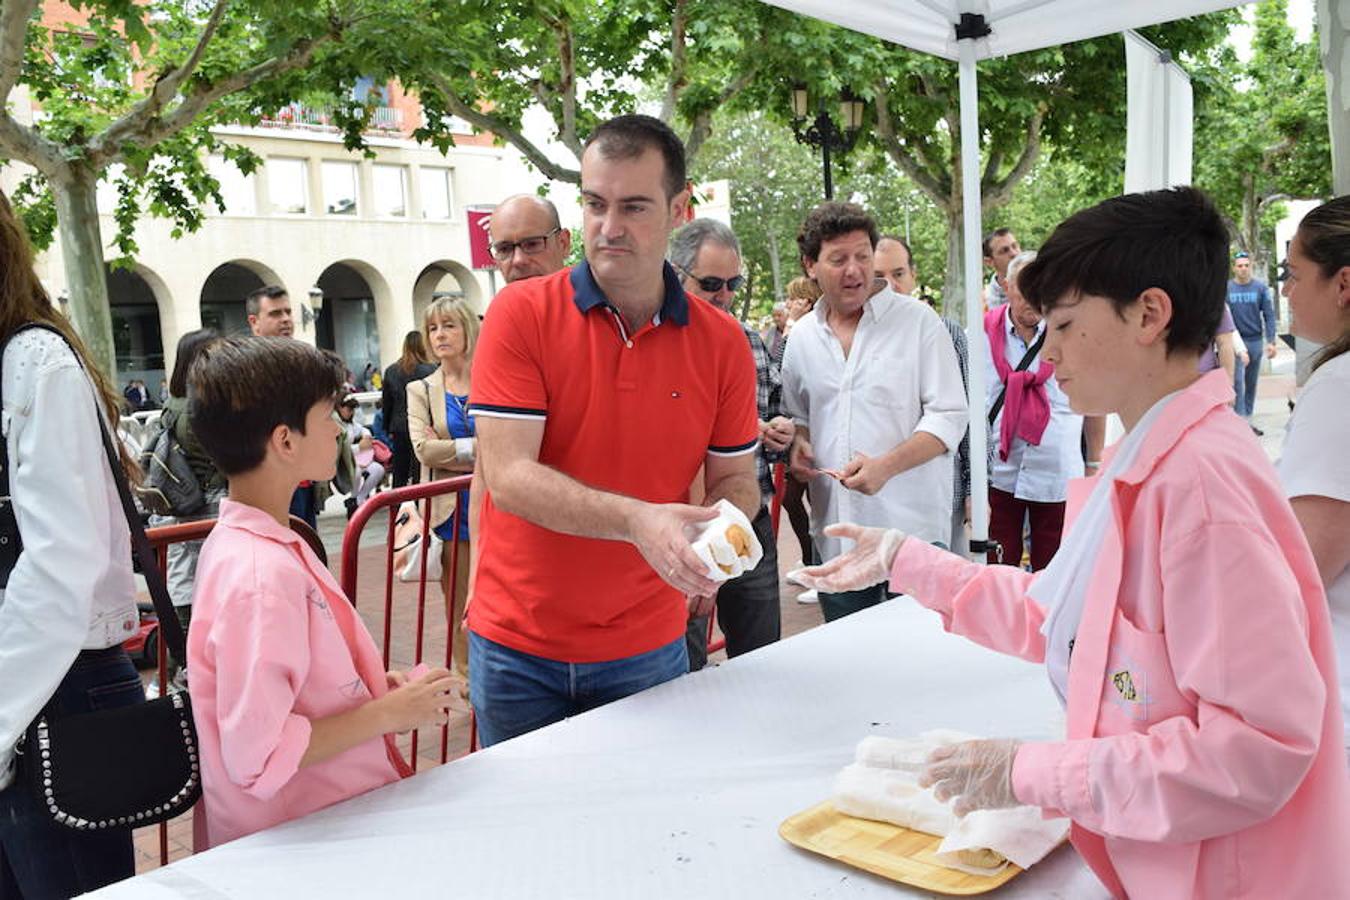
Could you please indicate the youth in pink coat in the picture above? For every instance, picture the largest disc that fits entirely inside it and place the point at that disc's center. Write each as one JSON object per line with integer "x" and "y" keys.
{"x": 294, "y": 710}
{"x": 1203, "y": 756}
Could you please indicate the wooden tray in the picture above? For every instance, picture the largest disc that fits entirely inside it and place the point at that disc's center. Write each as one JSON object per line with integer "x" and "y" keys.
{"x": 890, "y": 851}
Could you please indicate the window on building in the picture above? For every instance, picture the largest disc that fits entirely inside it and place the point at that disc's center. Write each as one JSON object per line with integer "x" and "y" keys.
{"x": 236, "y": 188}
{"x": 437, "y": 200}
{"x": 390, "y": 188}
{"x": 339, "y": 188}
{"x": 286, "y": 185}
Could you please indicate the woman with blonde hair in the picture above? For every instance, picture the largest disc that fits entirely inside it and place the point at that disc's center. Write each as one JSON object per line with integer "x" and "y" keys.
{"x": 67, "y": 593}
{"x": 1315, "y": 468}
{"x": 442, "y": 433}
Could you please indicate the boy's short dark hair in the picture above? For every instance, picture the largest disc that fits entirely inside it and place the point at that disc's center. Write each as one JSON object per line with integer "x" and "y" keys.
{"x": 628, "y": 137}
{"x": 253, "y": 301}
{"x": 1173, "y": 239}
{"x": 241, "y": 388}
{"x": 830, "y": 220}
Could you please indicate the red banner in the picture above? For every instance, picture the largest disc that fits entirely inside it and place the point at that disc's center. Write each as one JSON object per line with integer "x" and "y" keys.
{"x": 479, "y": 240}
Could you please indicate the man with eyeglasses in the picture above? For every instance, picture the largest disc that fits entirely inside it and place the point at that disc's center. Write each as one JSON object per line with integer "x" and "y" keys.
{"x": 707, "y": 256}
{"x": 528, "y": 239}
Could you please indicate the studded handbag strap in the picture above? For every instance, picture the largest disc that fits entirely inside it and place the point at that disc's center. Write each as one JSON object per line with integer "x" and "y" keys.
{"x": 169, "y": 626}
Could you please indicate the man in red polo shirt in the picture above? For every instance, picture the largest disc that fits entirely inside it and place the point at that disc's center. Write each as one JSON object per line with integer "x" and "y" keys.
{"x": 600, "y": 392}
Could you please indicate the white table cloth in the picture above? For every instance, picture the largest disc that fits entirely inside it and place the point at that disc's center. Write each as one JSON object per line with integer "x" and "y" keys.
{"x": 676, "y": 792}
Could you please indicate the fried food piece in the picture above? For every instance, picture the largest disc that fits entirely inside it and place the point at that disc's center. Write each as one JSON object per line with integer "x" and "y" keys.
{"x": 981, "y": 858}
{"x": 739, "y": 540}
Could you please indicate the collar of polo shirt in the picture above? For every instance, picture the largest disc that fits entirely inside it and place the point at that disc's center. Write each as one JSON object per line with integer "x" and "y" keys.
{"x": 587, "y": 294}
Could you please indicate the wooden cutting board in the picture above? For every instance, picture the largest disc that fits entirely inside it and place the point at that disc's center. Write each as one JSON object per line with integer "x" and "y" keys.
{"x": 890, "y": 851}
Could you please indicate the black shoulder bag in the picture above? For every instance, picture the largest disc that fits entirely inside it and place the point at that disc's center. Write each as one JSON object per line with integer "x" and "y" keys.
{"x": 113, "y": 768}
{"x": 1025, "y": 361}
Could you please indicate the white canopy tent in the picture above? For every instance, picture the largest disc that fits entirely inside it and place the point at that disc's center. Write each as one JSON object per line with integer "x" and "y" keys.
{"x": 967, "y": 31}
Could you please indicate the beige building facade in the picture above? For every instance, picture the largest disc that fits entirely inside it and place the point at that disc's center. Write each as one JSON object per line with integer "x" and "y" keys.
{"x": 360, "y": 244}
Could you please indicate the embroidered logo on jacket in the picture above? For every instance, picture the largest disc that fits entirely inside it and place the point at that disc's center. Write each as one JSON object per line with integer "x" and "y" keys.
{"x": 1124, "y": 683}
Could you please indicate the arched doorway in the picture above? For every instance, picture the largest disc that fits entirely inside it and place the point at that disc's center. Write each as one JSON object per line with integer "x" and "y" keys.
{"x": 348, "y": 324}
{"x": 223, "y": 294}
{"x": 138, "y": 340}
{"x": 444, "y": 278}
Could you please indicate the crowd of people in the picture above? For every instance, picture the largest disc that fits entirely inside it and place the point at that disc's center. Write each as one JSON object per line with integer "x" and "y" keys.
{"x": 1190, "y": 629}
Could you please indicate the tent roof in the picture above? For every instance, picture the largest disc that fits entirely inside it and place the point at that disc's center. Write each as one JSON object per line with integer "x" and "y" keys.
{"x": 1018, "y": 25}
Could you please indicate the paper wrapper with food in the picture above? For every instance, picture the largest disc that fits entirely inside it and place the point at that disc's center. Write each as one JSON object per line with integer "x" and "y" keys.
{"x": 726, "y": 544}
{"x": 882, "y": 784}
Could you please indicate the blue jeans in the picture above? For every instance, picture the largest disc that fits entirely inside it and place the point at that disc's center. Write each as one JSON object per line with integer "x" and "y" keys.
{"x": 513, "y": 692}
{"x": 1244, "y": 377}
{"x": 38, "y": 858}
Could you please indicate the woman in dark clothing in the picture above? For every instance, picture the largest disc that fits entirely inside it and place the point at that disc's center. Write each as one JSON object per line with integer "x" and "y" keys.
{"x": 410, "y": 367}
{"x": 181, "y": 574}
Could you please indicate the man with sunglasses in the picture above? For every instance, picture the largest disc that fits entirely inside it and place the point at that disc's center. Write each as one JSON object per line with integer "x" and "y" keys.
{"x": 528, "y": 239}
{"x": 707, "y": 256}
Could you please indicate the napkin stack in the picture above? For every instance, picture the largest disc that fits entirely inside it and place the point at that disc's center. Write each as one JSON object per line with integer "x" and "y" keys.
{"x": 709, "y": 541}
{"x": 882, "y": 784}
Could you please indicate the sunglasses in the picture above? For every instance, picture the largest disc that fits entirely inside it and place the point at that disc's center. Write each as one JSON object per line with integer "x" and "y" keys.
{"x": 531, "y": 245}
{"x": 713, "y": 284}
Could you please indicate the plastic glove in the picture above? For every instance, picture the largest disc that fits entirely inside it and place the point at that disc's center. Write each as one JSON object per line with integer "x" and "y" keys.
{"x": 978, "y": 774}
{"x": 867, "y": 563}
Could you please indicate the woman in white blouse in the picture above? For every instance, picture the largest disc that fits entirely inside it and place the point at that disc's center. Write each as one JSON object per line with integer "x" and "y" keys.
{"x": 68, "y": 598}
{"x": 1315, "y": 465}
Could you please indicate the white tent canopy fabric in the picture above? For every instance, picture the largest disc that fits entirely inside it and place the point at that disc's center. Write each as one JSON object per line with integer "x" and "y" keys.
{"x": 1017, "y": 25}
{"x": 966, "y": 31}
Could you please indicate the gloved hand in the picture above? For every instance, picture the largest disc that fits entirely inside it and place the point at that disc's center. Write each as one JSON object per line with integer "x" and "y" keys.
{"x": 978, "y": 774}
{"x": 867, "y": 563}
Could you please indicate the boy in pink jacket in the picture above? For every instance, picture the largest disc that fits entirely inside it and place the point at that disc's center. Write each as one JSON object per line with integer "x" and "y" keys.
{"x": 293, "y": 707}
{"x": 1182, "y": 623}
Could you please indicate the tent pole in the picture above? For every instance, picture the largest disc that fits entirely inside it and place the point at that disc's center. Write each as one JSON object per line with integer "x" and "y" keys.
{"x": 979, "y": 345}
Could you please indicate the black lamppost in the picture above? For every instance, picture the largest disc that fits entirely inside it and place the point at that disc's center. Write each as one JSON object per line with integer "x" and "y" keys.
{"x": 822, "y": 132}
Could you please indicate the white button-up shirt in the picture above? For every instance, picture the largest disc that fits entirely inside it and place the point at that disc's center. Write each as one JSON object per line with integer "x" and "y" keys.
{"x": 72, "y": 587}
{"x": 1037, "y": 473}
{"x": 900, "y": 376}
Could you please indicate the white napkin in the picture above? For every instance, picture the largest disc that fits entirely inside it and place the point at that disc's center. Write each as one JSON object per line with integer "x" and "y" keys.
{"x": 709, "y": 541}
{"x": 883, "y": 785}
{"x": 1021, "y": 834}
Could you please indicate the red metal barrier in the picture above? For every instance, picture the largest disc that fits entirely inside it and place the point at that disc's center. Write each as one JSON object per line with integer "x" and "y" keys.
{"x": 775, "y": 510}
{"x": 390, "y": 501}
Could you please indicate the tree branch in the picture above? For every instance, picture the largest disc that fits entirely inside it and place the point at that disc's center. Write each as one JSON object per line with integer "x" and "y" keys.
{"x": 456, "y": 105}
{"x": 679, "y": 61}
{"x": 896, "y": 150}
{"x": 14, "y": 16}
{"x": 1000, "y": 192}
{"x": 567, "y": 87}
{"x": 702, "y": 125}
{"x": 22, "y": 143}
{"x": 150, "y": 129}
{"x": 167, "y": 84}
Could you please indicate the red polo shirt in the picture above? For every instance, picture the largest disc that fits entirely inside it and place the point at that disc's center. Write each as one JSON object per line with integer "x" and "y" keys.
{"x": 633, "y": 414}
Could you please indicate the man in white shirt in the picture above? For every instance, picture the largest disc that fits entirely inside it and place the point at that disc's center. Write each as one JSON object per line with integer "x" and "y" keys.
{"x": 872, "y": 381}
{"x": 1029, "y": 479}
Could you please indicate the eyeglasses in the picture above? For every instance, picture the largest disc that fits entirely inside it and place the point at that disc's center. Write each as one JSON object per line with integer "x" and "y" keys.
{"x": 712, "y": 284}
{"x": 531, "y": 245}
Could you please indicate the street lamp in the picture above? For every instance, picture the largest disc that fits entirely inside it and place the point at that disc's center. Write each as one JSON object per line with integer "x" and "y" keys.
{"x": 822, "y": 132}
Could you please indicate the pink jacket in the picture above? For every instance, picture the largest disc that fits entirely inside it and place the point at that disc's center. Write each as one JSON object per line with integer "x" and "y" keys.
{"x": 274, "y": 644}
{"x": 1204, "y": 753}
